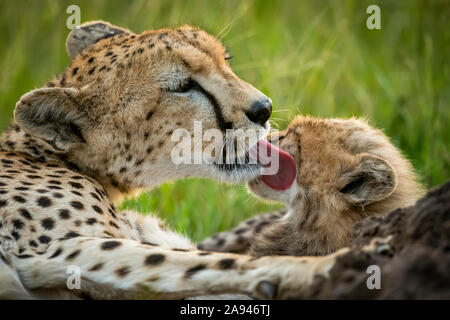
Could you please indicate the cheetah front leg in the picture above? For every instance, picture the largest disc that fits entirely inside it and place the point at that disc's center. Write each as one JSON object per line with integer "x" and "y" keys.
{"x": 122, "y": 268}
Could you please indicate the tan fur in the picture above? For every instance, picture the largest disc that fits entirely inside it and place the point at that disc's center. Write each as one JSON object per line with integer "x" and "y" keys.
{"x": 329, "y": 153}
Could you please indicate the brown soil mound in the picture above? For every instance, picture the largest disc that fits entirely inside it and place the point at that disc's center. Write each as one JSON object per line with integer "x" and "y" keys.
{"x": 415, "y": 264}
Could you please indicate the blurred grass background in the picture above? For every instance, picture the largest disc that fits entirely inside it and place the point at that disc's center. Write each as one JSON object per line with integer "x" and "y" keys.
{"x": 314, "y": 57}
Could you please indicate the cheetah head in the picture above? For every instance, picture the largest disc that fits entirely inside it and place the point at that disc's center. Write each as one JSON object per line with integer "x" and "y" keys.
{"x": 114, "y": 110}
{"x": 346, "y": 170}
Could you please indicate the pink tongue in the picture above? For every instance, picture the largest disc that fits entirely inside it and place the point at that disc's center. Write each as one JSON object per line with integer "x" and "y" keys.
{"x": 287, "y": 171}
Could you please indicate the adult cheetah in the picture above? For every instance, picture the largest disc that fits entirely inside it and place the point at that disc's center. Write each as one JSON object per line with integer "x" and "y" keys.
{"x": 346, "y": 171}
{"x": 101, "y": 130}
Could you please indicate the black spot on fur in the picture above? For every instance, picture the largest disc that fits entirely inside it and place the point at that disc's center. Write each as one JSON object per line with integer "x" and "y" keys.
{"x": 260, "y": 226}
{"x": 7, "y": 161}
{"x": 191, "y": 271}
{"x": 76, "y": 193}
{"x": 56, "y": 253}
{"x": 48, "y": 223}
{"x": 113, "y": 224}
{"x": 16, "y": 235}
{"x": 19, "y": 199}
{"x": 109, "y": 245}
{"x": 154, "y": 259}
{"x": 18, "y": 224}
{"x": 73, "y": 255}
{"x": 44, "y": 239}
{"x": 77, "y": 205}
{"x": 149, "y": 243}
{"x": 97, "y": 209}
{"x": 64, "y": 214}
{"x": 93, "y": 195}
{"x": 44, "y": 202}
{"x": 241, "y": 240}
{"x": 76, "y": 185}
{"x": 226, "y": 264}
{"x": 91, "y": 221}
{"x": 240, "y": 230}
{"x": 122, "y": 272}
{"x": 96, "y": 267}
{"x": 71, "y": 235}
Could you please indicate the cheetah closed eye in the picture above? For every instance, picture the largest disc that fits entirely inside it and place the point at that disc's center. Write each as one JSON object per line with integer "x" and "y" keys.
{"x": 346, "y": 171}
{"x": 101, "y": 130}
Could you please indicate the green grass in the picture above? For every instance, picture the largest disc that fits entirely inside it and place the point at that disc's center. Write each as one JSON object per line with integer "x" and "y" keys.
{"x": 313, "y": 57}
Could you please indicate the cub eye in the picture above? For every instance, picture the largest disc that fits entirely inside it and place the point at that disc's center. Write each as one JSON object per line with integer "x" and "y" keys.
{"x": 186, "y": 86}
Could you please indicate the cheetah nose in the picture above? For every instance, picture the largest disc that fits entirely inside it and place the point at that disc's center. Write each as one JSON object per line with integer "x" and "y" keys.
{"x": 260, "y": 111}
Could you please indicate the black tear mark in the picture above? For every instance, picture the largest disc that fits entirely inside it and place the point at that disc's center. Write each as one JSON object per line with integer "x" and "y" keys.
{"x": 221, "y": 122}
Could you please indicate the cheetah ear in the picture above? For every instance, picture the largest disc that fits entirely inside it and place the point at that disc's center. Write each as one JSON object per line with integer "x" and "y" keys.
{"x": 54, "y": 115}
{"x": 372, "y": 180}
{"x": 88, "y": 34}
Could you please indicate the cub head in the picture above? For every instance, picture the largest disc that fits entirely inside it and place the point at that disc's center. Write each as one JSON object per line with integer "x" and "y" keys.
{"x": 346, "y": 170}
{"x": 114, "y": 110}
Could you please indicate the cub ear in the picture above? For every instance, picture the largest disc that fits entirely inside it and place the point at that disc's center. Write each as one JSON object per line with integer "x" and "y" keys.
{"x": 54, "y": 115}
{"x": 89, "y": 33}
{"x": 372, "y": 180}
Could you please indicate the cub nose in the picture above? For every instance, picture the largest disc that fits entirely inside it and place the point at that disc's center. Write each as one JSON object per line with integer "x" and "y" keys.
{"x": 260, "y": 111}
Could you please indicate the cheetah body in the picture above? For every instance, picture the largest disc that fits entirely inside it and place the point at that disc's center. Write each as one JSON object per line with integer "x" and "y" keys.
{"x": 101, "y": 131}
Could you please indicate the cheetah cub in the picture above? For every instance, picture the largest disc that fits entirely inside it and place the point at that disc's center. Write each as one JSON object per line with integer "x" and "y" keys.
{"x": 346, "y": 171}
